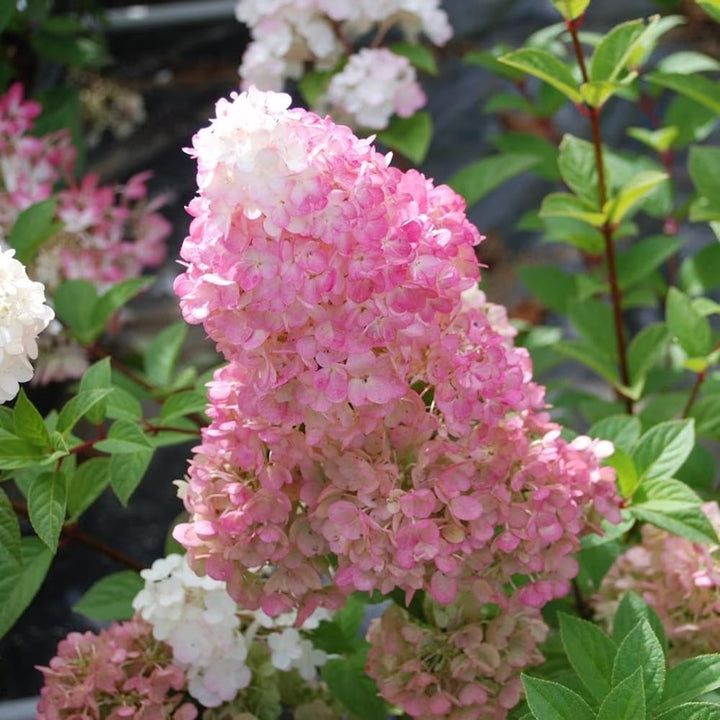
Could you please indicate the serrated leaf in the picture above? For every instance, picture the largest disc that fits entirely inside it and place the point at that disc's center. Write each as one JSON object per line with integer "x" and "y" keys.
{"x": 590, "y": 652}
{"x": 28, "y": 422}
{"x": 123, "y": 437}
{"x": 664, "y": 448}
{"x": 127, "y": 471}
{"x": 571, "y": 9}
{"x": 409, "y": 136}
{"x": 627, "y": 476}
{"x": 20, "y": 583}
{"x": 706, "y": 413}
{"x": 693, "y": 711}
{"x": 696, "y": 87}
{"x": 646, "y": 349}
{"x": 475, "y": 181}
{"x": 688, "y": 325}
{"x": 547, "y": 67}
{"x": 111, "y": 597}
{"x": 621, "y": 430}
{"x": 660, "y": 140}
{"x": 588, "y": 356}
{"x": 626, "y": 701}
{"x": 161, "y": 357}
{"x": 18, "y": 453}
{"x": 47, "y": 502}
{"x": 551, "y": 701}
{"x": 641, "y": 649}
{"x": 576, "y": 162}
{"x": 74, "y": 302}
{"x": 700, "y": 272}
{"x": 613, "y": 53}
{"x": 685, "y": 520}
{"x": 113, "y": 299}
{"x": 121, "y": 405}
{"x": 86, "y": 484}
{"x": 594, "y": 322}
{"x": 631, "y": 610}
{"x": 32, "y": 228}
{"x": 77, "y": 407}
{"x": 564, "y": 205}
{"x": 97, "y": 377}
{"x": 597, "y": 92}
{"x": 182, "y": 404}
{"x": 702, "y": 164}
{"x": 643, "y": 257}
{"x": 689, "y": 680}
{"x": 10, "y": 547}
{"x": 419, "y": 56}
{"x": 632, "y": 193}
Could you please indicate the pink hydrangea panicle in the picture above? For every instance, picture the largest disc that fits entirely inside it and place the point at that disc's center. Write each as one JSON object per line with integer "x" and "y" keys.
{"x": 120, "y": 672}
{"x": 373, "y": 408}
{"x": 679, "y": 578}
{"x": 464, "y": 663}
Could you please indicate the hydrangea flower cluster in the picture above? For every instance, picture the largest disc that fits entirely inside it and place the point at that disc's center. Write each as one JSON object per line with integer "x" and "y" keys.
{"x": 122, "y": 672}
{"x": 104, "y": 234}
{"x": 288, "y": 37}
{"x": 210, "y": 636}
{"x": 372, "y": 428}
{"x": 464, "y": 664}
{"x": 23, "y": 316}
{"x": 680, "y": 579}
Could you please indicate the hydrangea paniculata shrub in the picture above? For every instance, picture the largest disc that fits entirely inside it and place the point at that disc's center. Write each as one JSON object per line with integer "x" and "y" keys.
{"x": 680, "y": 579}
{"x": 374, "y": 427}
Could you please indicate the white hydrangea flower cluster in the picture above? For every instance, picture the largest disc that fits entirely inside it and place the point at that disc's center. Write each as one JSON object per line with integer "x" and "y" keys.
{"x": 23, "y": 316}
{"x": 290, "y": 36}
{"x": 199, "y": 620}
{"x": 289, "y": 650}
{"x": 375, "y": 84}
{"x": 210, "y": 636}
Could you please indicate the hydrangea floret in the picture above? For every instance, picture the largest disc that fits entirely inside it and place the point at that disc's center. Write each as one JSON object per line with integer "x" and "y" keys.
{"x": 372, "y": 429}
{"x": 24, "y": 314}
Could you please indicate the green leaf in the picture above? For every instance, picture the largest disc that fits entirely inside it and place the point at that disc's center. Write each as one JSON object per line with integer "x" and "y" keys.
{"x": 664, "y": 448}
{"x": 18, "y": 453}
{"x": 641, "y": 649}
{"x": 590, "y": 652}
{"x": 552, "y": 286}
{"x": 121, "y": 405}
{"x": 67, "y": 49}
{"x": 489, "y": 59}
{"x": 700, "y": 273}
{"x": 162, "y": 355}
{"x": 614, "y": 51}
{"x": 693, "y": 711}
{"x": 126, "y": 472}
{"x": 32, "y": 228}
{"x": 411, "y": 136}
{"x": 112, "y": 300}
{"x": 626, "y": 701}
{"x": 552, "y": 701}
{"x": 47, "y": 501}
{"x": 571, "y": 9}
{"x": 593, "y": 320}
{"x": 74, "y": 302}
{"x": 20, "y": 583}
{"x": 529, "y": 145}
{"x": 688, "y": 325}
{"x": 7, "y": 10}
{"x": 97, "y": 377}
{"x": 694, "y": 121}
{"x": 475, "y": 181}
{"x": 646, "y": 349}
{"x": 124, "y": 437}
{"x": 589, "y": 356}
{"x": 703, "y": 163}
{"x": 687, "y": 62}
{"x": 86, "y": 484}
{"x": 79, "y": 406}
{"x": 660, "y": 140}
{"x": 29, "y": 423}
{"x": 621, "y": 430}
{"x": 111, "y": 598}
{"x": 10, "y": 547}
{"x": 706, "y": 413}
{"x": 547, "y": 67}
{"x": 711, "y": 7}
{"x": 420, "y": 56}
{"x": 576, "y": 161}
{"x": 183, "y": 403}
{"x": 644, "y": 257}
{"x": 627, "y": 476}
{"x": 631, "y": 610}
{"x": 349, "y": 683}
{"x": 632, "y": 193}
{"x": 313, "y": 85}
{"x": 696, "y": 87}
{"x": 689, "y": 680}
{"x": 568, "y": 206}
{"x": 575, "y": 233}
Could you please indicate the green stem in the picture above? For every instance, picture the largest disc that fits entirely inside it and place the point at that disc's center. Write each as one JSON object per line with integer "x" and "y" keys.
{"x": 607, "y": 228}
